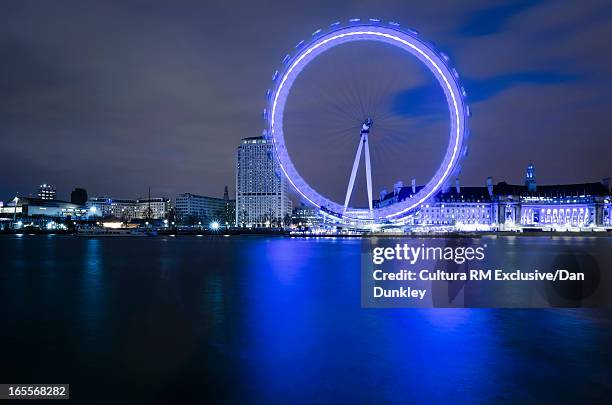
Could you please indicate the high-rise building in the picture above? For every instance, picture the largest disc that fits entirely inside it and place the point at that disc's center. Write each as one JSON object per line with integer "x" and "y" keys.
{"x": 46, "y": 192}
{"x": 261, "y": 190}
{"x": 78, "y": 196}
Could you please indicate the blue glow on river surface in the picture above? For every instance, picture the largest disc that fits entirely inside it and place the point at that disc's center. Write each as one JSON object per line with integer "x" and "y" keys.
{"x": 273, "y": 320}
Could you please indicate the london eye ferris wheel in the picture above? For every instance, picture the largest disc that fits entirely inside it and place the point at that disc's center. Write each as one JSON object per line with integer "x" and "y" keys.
{"x": 407, "y": 41}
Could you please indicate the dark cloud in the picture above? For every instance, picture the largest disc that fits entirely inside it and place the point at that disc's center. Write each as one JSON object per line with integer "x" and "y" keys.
{"x": 493, "y": 18}
{"x": 120, "y": 96}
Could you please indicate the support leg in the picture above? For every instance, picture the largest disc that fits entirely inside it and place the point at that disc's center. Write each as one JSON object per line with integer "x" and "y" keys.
{"x": 353, "y": 174}
{"x": 368, "y": 171}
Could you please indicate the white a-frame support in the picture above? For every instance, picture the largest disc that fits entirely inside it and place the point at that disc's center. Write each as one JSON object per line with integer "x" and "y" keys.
{"x": 363, "y": 142}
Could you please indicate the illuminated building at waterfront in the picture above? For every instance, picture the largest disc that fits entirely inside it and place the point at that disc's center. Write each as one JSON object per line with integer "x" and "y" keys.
{"x": 129, "y": 209}
{"x": 261, "y": 190}
{"x": 38, "y": 211}
{"x": 509, "y": 207}
{"x": 193, "y": 208}
{"x": 152, "y": 208}
{"x": 306, "y": 217}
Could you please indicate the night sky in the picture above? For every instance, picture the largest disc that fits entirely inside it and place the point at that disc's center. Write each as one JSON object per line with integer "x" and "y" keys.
{"x": 119, "y": 96}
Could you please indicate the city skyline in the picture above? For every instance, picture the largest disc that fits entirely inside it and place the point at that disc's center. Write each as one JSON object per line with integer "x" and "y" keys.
{"x": 164, "y": 97}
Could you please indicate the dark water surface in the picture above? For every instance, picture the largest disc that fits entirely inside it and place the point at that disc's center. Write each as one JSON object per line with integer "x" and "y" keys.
{"x": 203, "y": 319}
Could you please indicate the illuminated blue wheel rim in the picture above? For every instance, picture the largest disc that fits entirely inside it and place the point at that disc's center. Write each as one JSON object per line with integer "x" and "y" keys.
{"x": 408, "y": 41}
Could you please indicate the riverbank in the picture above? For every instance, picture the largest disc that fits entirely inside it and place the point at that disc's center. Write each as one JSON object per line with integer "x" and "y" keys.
{"x": 286, "y": 233}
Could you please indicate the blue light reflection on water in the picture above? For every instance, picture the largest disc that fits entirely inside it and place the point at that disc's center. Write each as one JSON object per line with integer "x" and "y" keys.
{"x": 306, "y": 329}
{"x": 92, "y": 288}
{"x": 274, "y": 319}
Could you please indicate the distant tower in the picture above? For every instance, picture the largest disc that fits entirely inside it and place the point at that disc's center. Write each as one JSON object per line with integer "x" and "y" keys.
{"x": 78, "y": 196}
{"x": 46, "y": 192}
{"x": 530, "y": 180}
{"x": 226, "y": 194}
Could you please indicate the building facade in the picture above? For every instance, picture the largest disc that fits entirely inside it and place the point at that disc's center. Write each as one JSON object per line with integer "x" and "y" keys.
{"x": 262, "y": 198}
{"x": 129, "y": 209}
{"x": 123, "y": 209}
{"x": 508, "y": 207}
{"x": 561, "y": 207}
{"x": 193, "y": 208}
{"x": 28, "y": 207}
{"x": 46, "y": 192}
{"x": 99, "y": 207}
{"x": 306, "y": 217}
{"x": 461, "y": 208}
{"x": 153, "y": 208}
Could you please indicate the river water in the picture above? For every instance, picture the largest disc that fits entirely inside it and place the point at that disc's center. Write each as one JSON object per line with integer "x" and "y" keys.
{"x": 177, "y": 319}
